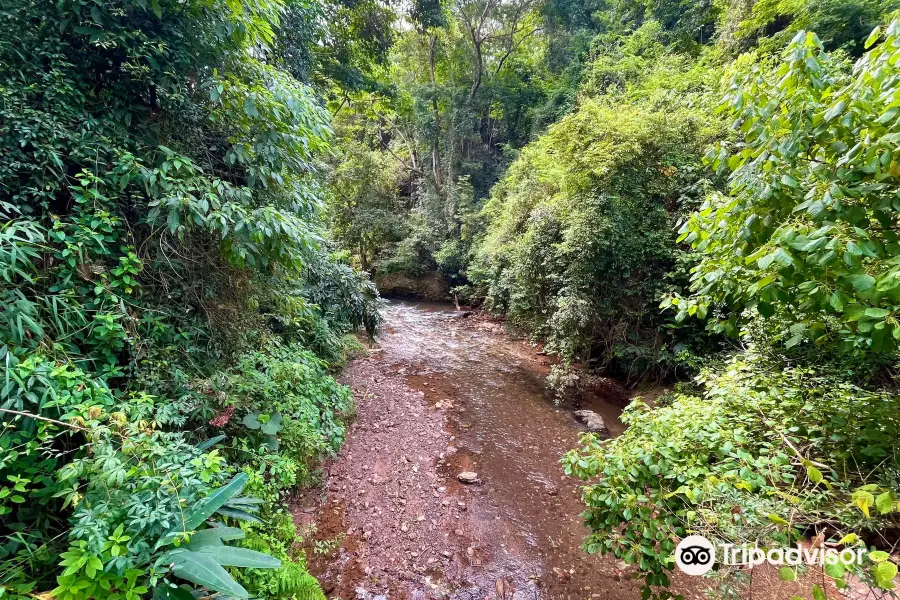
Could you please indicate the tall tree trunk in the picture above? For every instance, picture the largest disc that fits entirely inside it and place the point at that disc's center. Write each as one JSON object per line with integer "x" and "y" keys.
{"x": 479, "y": 66}
{"x": 436, "y": 144}
{"x": 363, "y": 259}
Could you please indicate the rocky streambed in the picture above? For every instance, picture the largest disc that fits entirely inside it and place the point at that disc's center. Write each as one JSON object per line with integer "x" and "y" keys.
{"x": 438, "y": 396}
{"x": 449, "y": 484}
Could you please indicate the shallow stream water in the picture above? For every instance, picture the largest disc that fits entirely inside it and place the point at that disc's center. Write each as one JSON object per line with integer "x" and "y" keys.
{"x": 512, "y": 432}
{"x": 439, "y": 393}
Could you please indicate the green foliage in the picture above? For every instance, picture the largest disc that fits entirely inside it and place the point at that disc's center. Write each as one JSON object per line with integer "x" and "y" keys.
{"x": 285, "y": 391}
{"x": 767, "y": 452}
{"x": 840, "y": 25}
{"x": 291, "y": 580}
{"x": 160, "y": 218}
{"x": 579, "y": 237}
{"x": 364, "y": 209}
{"x": 789, "y": 438}
{"x": 806, "y": 236}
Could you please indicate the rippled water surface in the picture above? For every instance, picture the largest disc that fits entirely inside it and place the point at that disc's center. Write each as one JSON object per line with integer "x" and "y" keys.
{"x": 525, "y": 513}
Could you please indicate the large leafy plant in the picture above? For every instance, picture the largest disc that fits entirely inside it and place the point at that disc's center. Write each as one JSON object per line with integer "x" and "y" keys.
{"x": 766, "y": 453}
{"x": 807, "y": 234}
{"x": 201, "y": 554}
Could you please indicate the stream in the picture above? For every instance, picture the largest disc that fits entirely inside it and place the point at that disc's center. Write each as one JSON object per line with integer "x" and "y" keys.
{"x": 441, "y": 393}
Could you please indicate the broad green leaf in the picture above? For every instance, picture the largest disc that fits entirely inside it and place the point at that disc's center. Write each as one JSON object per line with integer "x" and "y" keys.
{"x": 214, "y": 535}
{"x": 210, "y": 442}
{"x": 862, "y": 282}
{"x": 239, "y": 514}
{"x": 814, "y": 474}
{"x": 228, "y": 556}
{"x": 777, "y": 520}
{"x": 836, "y": 570}
{"x": 873, "y": 37}
{"x": 884, "y": 573}
{"x": 206, "y": 507}
{"x": 203, "y": 570}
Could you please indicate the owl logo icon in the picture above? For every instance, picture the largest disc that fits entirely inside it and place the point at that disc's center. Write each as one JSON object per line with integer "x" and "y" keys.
{"x": 695, "y": 555}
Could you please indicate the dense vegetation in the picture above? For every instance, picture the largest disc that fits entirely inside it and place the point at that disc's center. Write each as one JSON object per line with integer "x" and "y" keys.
{"x": 193, "y": 194}
{"x": 698, "y": 191}
{"x": 797, "y": 434}
{"x": 170, "y": 301}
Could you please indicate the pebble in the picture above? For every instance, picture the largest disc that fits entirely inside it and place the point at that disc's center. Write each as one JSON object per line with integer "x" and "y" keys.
{"x": 468, "y": 477}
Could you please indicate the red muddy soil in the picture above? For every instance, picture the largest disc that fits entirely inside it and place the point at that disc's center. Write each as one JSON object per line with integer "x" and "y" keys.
{"x": 440, "y": 394}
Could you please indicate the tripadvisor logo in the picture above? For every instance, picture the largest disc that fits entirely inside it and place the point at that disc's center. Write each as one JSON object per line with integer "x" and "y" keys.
{"x": 696, "y": 555}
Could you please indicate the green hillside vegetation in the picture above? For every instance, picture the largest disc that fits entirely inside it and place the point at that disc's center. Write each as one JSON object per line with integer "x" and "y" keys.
{"x": 170, "y": 299}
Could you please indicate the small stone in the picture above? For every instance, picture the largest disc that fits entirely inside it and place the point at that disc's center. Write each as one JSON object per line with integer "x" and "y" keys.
{"x": 447, "y": 554}
{"x": 404, "y": 527}
{"x": 468, "y": 477}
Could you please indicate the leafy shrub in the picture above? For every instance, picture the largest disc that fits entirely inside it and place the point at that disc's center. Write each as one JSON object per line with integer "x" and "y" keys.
{"x": 288, "y": 401}
{"x": 768, "y": 452}
{"x": 806, "y": 234}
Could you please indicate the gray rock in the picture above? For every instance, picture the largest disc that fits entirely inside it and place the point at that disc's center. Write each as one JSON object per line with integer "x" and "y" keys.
{"x": 468, "y": 477}
{"x": 591, "y": 420}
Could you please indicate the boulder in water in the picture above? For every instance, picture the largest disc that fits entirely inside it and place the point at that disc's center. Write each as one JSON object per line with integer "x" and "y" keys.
{"x": 591, "y": 420}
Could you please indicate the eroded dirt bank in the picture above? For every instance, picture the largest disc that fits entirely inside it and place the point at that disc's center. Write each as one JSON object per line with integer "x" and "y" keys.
{"x": 438, "y": 395}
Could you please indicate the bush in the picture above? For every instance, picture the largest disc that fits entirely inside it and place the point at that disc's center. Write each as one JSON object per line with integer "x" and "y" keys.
{"x": 806, "y": 234}
{"x": 160, "y": 218}
{"x": 768, "y": 452}
{"x": 579, "y": 243}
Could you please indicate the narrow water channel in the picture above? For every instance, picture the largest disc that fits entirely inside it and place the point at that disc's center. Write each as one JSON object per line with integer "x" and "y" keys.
{"x": 525, "y": 512}
{"x": 440, "y": 394}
